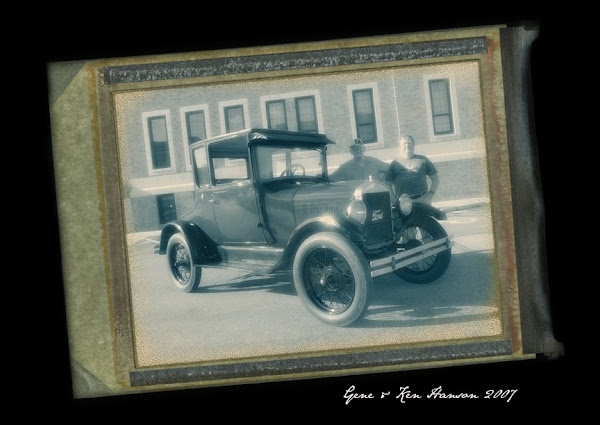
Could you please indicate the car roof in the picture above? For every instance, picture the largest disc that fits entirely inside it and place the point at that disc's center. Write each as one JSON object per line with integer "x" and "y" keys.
{"x": 262, "y": 135}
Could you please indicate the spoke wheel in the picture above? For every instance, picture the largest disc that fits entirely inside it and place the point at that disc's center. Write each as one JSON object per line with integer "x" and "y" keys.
{"x": 185, "y": 274}
{"x": 332, "y": 278}
{"x": 181, "y": 264}
{"x": 329, "y": 280}
{"x": 426, "y": 270}
{"x": 414, "y": 237}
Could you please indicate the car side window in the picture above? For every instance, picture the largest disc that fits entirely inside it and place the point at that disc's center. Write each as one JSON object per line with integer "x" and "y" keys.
{"x": 230, "y": 170}
{"x": 201, "y": 167}
{"x": 229, "y": 160}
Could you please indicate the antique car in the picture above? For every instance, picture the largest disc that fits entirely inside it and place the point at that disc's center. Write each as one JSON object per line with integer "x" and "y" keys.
{"x": 263, "y": 202}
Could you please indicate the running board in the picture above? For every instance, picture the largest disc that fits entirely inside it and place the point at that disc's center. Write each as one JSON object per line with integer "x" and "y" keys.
{"x": 250, "y": 254}
{"x": 253, "y": 268}
{"x": 406, "y": 258}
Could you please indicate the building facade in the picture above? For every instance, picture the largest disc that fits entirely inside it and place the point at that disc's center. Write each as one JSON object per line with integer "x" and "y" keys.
{"x": 439, "y": 105}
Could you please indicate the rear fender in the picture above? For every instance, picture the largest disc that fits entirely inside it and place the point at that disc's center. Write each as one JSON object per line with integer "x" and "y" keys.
{"x": 345, "y": 226}
{"x": 204, "y": 250}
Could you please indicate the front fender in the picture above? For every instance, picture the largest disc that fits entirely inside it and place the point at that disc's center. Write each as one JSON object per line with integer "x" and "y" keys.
{"x": 204, "y": 250}
{"x": 419, "y": 208}
{"x": 339, "y": 224}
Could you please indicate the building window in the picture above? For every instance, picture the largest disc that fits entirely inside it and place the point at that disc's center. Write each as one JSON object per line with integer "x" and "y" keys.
{"x": 441, "y": 107}
{"x": 276, "y": 115}
{"x": 166, "y": 208}
{"x": 306, "y": 113}
{"x": 159, "y": 142}
{"x": 364, "y": 114}
{"x": 234, "y": 118}
{"x": 196, "y": 126}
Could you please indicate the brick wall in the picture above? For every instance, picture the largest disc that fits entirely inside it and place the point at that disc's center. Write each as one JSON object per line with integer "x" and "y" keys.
{"x": 401, "y": 103}
{"x": 462, "y": 179}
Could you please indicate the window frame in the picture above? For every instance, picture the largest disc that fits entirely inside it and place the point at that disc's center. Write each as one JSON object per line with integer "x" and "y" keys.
{"x": 226, "y": 117}
{"x": 314, "y": 107}
{"x": 290, "y": 105}
{"x": 268, "y": 115}
{"x": 373, "y": 87}
{"x": 374, "y": 116}
{"x": 146, "y": 117}
{"x": 183, "y": 112}
{"x": 234, "y": 102}
{"x": 452, "y": 87}
{"x": 432, "y": 112}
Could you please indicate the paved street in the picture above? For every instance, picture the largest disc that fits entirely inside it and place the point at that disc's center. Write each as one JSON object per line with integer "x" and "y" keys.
{"x": 236, "y": 316}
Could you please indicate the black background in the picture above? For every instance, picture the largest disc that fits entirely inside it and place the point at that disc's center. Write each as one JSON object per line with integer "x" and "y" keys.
{"x": 542, "y": 384}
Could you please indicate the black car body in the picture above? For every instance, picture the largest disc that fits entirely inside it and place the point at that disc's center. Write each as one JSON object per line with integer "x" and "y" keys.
{"x": 263, "y": 202}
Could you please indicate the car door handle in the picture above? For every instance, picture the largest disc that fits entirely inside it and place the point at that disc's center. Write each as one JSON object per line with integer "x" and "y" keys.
{"x": 217, "y": 197}
{"x": 209, "y": 197}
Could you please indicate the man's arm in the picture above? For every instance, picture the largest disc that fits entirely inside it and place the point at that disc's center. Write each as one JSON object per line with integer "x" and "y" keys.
{"x": 339, "y": 174}
{"x": 390, "y": 179}
{"x": 435, "y": 180}
{"x": 382, "y": 168}
{"x": 435, "y": 183}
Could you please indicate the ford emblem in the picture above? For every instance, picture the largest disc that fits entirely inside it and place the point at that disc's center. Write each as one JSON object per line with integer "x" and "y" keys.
{"x": 377, "y": 215}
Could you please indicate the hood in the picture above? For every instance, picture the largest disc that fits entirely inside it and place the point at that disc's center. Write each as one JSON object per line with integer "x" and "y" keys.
{"x": 333, "y": 198}
{"x": 326, "y": 192}
{"x": 338, "y": 191}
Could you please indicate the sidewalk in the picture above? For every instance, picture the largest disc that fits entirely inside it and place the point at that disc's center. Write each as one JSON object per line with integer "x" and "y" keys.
{"x": 446, "y": 206}
{"x": 460, "y": 204}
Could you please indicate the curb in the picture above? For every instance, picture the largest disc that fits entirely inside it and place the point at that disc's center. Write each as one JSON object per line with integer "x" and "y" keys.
{"x": 446, "y": 206}
{"x": 450, "y": 206}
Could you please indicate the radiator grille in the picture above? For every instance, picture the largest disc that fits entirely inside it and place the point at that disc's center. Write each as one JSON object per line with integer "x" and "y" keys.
{"x": 379, "y": 232}
{"x": 379, "y": 217}
{"x": 378, "y": 203}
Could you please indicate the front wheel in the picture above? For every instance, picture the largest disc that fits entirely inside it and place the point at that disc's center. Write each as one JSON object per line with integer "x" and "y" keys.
{"x": 332, "y": 278}
{"x": 419, "y": 232}
{"x": 184, "y": 273}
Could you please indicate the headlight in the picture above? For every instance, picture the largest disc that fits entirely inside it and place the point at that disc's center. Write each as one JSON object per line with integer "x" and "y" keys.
{"x": 357, "y": 210}
{"x": 405, "y": 204}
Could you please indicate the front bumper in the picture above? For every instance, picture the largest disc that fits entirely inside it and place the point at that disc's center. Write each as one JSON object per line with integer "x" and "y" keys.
{"x": 401, "y": 259}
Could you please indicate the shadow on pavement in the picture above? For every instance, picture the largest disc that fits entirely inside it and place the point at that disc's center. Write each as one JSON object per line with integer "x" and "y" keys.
{"x": 278, "y": 283}
{"x": 466, "y": 292}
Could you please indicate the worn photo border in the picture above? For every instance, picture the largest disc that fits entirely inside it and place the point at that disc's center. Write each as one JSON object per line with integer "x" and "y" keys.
{"x": 110, "y": 369}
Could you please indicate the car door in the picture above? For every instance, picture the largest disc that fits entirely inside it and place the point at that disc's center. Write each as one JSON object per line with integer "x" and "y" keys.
{"x": 203, "y": 212}
{"x": 234, "y": 197}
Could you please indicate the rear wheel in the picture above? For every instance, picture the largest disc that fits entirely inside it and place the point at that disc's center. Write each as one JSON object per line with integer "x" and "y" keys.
{"x": 184, "y": 273}
{"x": 332, "y": 278}
{"x": 419, "y": 232}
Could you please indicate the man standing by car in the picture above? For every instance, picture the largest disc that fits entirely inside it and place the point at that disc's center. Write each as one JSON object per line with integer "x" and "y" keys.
{"x": 408, "y": 173}
{"x": 360, "y": 167}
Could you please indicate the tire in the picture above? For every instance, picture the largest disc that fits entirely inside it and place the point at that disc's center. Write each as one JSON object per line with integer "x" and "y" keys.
{"x": 332, "y": 278}
{"x": 420, "y": 231}
{"x": 184, "y": 273}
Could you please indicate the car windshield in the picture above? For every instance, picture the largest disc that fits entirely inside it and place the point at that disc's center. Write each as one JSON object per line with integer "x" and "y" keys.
{"x": 276, "y": 162}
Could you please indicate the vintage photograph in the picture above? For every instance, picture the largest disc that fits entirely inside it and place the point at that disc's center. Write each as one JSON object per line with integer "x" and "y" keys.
{"x": 276, "y": 213}
{"x": 307, "y": 214}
